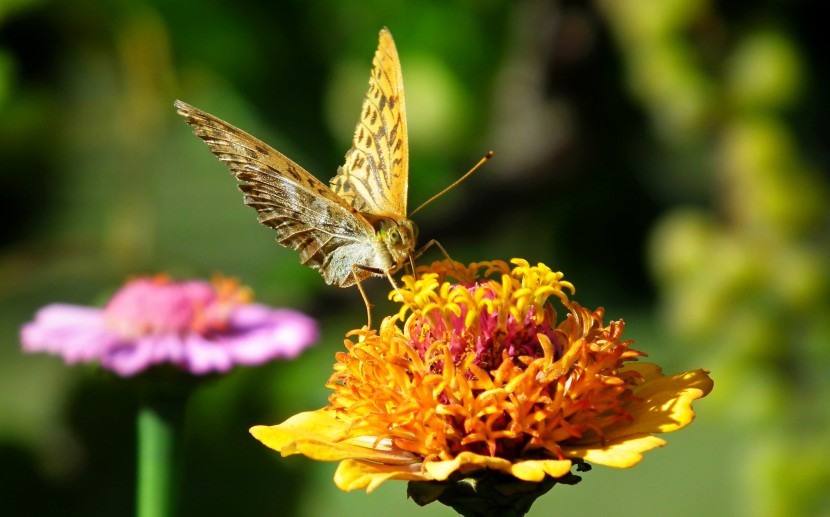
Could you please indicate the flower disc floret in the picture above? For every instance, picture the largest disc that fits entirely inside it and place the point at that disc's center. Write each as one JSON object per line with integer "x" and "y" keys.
{"x": 481, "y": 366}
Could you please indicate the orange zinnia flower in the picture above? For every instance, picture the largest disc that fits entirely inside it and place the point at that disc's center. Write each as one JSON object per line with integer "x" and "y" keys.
{"x": 485, "y": 375}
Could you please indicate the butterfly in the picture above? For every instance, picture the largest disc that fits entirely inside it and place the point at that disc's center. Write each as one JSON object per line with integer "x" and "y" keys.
{"x": 355, "y": 227}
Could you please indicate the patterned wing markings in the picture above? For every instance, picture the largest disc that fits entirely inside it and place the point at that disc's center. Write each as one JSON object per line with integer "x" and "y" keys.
{"x": 356, "y": 228}
{"x": 329, "y": 235}
{"x": 374, "y": 178}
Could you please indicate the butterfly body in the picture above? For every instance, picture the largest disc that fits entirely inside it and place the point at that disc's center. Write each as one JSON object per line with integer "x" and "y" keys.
{"x": 357, "y": 226}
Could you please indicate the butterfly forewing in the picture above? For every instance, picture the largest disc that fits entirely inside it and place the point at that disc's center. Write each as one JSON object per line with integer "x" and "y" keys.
{"x": 374, "y": 178}
{"x": 308, "y": 217}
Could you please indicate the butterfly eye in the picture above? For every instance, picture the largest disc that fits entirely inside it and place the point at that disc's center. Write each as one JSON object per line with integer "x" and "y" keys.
{"x": 393, "y": 237}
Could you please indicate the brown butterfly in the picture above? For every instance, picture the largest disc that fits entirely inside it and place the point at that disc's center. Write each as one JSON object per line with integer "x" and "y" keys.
{"x": 358, "y": 225}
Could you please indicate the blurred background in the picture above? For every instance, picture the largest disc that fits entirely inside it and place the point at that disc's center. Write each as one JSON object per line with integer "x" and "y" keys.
{"x": 669, "y": 156}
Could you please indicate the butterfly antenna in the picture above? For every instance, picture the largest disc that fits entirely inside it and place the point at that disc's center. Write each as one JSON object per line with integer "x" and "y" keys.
{"x": 454, "y": 183}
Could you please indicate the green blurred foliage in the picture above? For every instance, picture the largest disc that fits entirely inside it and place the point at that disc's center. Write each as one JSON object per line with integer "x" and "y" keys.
{"x": 667, "y": 156}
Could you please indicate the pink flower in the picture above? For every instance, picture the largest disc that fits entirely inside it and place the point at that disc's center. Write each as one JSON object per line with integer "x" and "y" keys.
{"x": 200, "y": 327}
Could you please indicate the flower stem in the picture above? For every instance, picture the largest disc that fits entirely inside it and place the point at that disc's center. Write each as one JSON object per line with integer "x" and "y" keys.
{"x": 160, "y": 423}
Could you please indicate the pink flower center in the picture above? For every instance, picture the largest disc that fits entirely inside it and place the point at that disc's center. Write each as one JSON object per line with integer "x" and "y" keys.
{"x": 160, "y": 306}
{"x": 488, "y": 335}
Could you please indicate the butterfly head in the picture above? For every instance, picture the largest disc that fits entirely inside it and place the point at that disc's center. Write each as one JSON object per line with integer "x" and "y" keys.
{"x": 399, "y": 237}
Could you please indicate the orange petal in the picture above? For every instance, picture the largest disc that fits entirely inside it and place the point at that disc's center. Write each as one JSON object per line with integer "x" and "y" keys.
{"x": 622, "y": 454}
{"x": 320, "y": 436}
{"x": 359, "y": 474}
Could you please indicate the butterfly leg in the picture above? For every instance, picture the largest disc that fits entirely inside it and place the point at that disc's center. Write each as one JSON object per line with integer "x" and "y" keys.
{"x": 363, "y": 294}
{"x": 376, "y": 271}
{"x": 428, "y": 245}
{"x": 394, "y": 285}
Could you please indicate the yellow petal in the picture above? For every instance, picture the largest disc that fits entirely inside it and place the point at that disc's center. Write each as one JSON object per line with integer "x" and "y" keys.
{"x": 312, "y": 424}
{"x": 358, "y": 474}
{"x": 665, "y": 402}
{"x": 320, "y": 436}
{"x": 622, "y": 454}
{"x": 530, "y": 470}
{"x": 536, "y": 470}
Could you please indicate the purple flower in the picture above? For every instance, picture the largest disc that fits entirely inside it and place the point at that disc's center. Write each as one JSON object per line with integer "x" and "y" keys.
{"x": 200, "y": 327}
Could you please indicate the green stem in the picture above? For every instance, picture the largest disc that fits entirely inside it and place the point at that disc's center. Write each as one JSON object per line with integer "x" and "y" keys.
{"x": 160, "y": 424}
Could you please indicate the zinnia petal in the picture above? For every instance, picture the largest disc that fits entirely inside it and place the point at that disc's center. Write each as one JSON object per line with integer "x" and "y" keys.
{"x": 623, "y": 453}
{"x": 320, "y": 436}
{"x": 665, "y": 403}
{"x": 528, "y": 470}
{"x": 354, "y": 474}
{"x": 536, "y": 470}
{"x": 197, "y": 326}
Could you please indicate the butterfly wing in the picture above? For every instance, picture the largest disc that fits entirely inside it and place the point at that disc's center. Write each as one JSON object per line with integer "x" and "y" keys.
{"x": 330, "y": 235}
{"x": 375, "y": 177}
